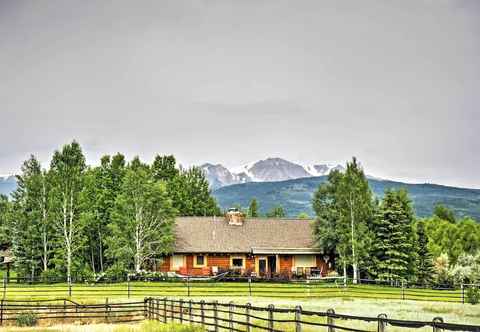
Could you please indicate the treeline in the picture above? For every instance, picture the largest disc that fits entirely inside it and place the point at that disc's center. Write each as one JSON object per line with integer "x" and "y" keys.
{"x": 72, "y": 219}
{"x": 383, "y": 239}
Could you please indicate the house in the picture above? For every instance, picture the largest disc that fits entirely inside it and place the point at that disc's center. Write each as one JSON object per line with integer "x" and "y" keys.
{"x": 248, "y": 246}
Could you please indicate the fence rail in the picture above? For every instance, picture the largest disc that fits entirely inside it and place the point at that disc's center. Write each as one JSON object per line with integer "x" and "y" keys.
{"x": 234, "y": 317}
{"x": 20, "y": 289}
{"x": 214, "y": 316}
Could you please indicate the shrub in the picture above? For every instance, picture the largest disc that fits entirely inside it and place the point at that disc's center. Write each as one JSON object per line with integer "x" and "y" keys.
{"x": 26, "y": 319}
{"x": 473, "y": 295}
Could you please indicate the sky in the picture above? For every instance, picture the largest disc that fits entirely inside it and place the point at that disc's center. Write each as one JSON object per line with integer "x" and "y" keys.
{"x": 394, "y": 83}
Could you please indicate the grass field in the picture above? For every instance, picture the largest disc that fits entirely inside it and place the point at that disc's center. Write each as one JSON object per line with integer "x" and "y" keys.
{"x": 360, "y": 300}
{"x": 89, "y": 292}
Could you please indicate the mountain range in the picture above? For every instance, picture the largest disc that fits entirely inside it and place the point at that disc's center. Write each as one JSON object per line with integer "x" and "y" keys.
{"x": 276, "y": 181}
{"x": 296, "y": 196}
{"x": 267, "y": 170}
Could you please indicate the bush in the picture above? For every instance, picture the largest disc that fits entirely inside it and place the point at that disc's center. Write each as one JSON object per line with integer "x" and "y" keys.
{"x": 473, "y": 295}
{"x": 26, "y": 319}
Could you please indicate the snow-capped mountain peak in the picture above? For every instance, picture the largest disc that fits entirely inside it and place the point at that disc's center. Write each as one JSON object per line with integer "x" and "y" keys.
{"x": 270, "y": 169}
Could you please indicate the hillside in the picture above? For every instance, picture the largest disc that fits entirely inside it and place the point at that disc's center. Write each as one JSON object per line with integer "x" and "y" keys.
{"x": 296, "y": 195}
{"x": 7, "y": 185}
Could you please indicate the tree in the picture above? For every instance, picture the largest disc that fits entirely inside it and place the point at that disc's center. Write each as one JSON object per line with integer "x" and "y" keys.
{"x": 303, "y": 215}
{"x": 143, "y": 220}
{"x": 393, "y": 246}
{"x": 102, "y": 185}
{"x": 67, "y": 170}
{"x": 444, "y": 213}
{"x": 276, "y": 212}
{"x": 5, "y": 210}
{"x": 344, "y": 208}
{"x": 164, "y": 168}
{"x": 425, "y": 268}
{"x": 253, "y": 209}
{"x": 31, "y": 231}
{"x": 191, "y": 194}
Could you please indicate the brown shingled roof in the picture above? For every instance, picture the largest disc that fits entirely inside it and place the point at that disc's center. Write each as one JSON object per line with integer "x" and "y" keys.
{"x": 215, "y": 235}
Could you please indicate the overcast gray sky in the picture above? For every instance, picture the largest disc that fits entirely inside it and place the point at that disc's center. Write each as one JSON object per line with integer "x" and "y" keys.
{"x": 395, "y": 83}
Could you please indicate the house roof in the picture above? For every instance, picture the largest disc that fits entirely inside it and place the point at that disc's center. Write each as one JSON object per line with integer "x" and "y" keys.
{"x": 215, "y": 235}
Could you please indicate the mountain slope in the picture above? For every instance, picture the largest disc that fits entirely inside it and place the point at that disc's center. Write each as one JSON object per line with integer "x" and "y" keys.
{"x": 7, "y": 185}
{"x": 296, "y": 195}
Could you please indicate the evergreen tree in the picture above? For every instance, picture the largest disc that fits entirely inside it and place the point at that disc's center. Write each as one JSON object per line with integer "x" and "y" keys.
{"x": 425, "y": 268}
{"x": 5, "y": 227}
{"x": 393, "y": 245}
{"x": 253, "y": 209}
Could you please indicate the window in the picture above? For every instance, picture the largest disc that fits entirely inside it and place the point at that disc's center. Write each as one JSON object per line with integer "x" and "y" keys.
{"x": 237, "y": 262}
{"x": 200, "y": 261}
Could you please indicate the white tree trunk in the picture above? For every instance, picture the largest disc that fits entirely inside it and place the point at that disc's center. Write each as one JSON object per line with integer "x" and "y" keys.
{"x": 354, "y": 259}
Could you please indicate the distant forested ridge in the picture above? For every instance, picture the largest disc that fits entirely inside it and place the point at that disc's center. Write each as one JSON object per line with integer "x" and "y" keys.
{"x": 296, "y": 196}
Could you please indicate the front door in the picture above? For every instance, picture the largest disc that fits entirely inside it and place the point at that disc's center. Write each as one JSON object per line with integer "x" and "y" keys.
{"x": 262, "y": 266}
{"x": 272, "y": 265}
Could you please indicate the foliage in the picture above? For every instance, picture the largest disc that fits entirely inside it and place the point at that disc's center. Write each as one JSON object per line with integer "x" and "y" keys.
{"x": 424, "y": 266}
{"x": 276, "y": 212}
{"x": 442, "y": 265}
{"x": 344, "y": 208}
{"x": 253, "y": 209}
{"x": 303, "y": 215}
{"x": 393, "y": 248}
{"x": 473, "y": 295}
{"x": 26, "y": 319}
{"x": 466, "y": 269}
{"x": 77, "y": 221}
{"x": 143, "y": 218}
{"x": 444, "y": 213}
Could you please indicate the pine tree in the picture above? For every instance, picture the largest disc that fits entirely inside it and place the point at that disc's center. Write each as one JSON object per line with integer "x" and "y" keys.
{"x": 425, "y": 268}
{"x": 253, "y": 208}
{"x": 393, "y": 245}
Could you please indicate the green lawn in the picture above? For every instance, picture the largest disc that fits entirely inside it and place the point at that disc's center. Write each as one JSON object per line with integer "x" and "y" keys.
{"x": 360, "y": 300}
{"x": 86, "y": 292}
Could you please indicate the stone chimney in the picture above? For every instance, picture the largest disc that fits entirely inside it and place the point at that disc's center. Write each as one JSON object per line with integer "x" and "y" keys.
{"x": 235, "y": 217}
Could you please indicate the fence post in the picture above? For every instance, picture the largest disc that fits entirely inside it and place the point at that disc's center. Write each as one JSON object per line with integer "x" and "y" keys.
{"x": 172, "y": 311}
{"x": 382, "y": 323}
{"x": 270, "y": 317}
{"x": 188, "y": 286}
{"x": 64, "y": 310}
{"x": 248, "y": 307}
{"x": 250, "y": 286}
{"x": 165, "y": 310}
{"x": 230, "y": 315}
{"x": 330, "y": 320}
{"x": 202, "y": 312}
{"x": 181, "y": 311}
{"x": 434, "y": 325}
{"x": 298, "y": 318}
{"x": 463, "y": 292}
{"x": 1, "y": 313}
{"x": 69, "y": 287}
{"x": 157, "y": 306}
{"x": 215, "y": 316}
{"x": 403, "y": 290}
{"x": 190, "y": 311}
{"x": 128, "y": 285}
{"x": 145, "y": 308}
{"x": 106, "y": 309}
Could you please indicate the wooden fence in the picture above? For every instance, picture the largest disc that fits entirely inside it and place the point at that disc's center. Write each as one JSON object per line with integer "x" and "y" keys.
{"x": 213, "y": 316}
